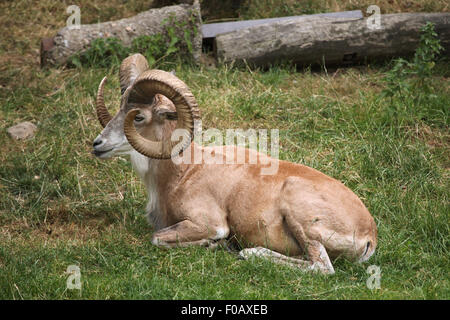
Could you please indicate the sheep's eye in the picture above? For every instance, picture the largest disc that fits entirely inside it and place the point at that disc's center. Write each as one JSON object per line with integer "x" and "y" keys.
{"x": 138, "y": 118}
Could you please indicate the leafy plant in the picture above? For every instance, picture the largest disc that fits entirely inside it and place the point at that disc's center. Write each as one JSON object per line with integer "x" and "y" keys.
{"x": 153, "y": 47}
{"x": 406, "y": 77}
{"x": 103, "y": 53}
{"x": 409, "y": 84}
{"x": 166, "y": 46}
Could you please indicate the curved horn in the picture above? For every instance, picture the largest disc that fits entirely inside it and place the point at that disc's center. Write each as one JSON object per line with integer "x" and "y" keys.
{"x": 144, "y": 89}
{"x": 102, "y": 113}
{"x": 130, "y": 68}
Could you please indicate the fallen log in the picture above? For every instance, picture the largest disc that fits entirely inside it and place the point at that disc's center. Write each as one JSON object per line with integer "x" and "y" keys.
{"x": 329, "y": 41}
{"x": 73, "y": 40}
{"x": 211, "y": 30}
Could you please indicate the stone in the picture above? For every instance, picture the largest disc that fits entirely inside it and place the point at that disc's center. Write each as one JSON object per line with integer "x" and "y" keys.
{"x": 23, "y": 130}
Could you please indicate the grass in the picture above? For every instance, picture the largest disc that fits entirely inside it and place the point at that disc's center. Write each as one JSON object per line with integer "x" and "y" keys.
{"x": 59, "y": 206}
{"x": 214, "y": 11}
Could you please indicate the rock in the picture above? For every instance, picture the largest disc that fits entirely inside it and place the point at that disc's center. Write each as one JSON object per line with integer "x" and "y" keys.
{"x": 208, "y": 61}
{"x": 23, "y": 130}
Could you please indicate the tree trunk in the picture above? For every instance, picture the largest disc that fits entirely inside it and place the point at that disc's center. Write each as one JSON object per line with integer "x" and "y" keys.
{"x": 329, "y": 41}
{"x": 211, "y": 30}
{"x": 70, "y": 40}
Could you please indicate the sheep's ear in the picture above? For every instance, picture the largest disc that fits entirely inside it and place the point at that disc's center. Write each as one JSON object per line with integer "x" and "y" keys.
{"x": 164, "y": 108}
{"x": 168, "y": 114}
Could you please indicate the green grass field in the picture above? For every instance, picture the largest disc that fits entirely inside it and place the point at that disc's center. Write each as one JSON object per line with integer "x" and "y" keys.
{"x": 60, "y": 206}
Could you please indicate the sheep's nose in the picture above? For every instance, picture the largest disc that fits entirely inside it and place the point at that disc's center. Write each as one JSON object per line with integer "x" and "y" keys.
{"x": 97, "y": 142}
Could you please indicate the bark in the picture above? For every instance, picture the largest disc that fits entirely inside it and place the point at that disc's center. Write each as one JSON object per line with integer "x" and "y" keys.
{"x": 331, "y": 41}
{"x": 211, "y": 30}
{"x": 69, "y": 40}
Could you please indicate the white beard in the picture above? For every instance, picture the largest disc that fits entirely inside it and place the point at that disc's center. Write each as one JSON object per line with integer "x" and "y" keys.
{"x": 146, "y": 168}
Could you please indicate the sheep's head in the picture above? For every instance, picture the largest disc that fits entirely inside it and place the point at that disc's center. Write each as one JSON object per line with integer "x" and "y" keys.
{"x": 150, "y": 100}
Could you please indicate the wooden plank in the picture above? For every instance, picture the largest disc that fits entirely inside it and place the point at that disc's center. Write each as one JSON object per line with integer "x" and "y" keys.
{"x": 211, "y": 30}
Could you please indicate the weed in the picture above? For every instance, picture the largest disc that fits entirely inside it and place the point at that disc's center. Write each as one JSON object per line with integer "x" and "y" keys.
{"x": 406, "y": 77}
{"x": 409, "y": 83}
{"x": 106, "y": 52}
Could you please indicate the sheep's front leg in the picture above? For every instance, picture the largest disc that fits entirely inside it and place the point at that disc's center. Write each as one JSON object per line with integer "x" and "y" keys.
{"x": 185, "y": 233}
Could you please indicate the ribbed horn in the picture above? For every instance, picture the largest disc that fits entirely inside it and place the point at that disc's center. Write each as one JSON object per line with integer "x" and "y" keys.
{"x": 130, "y": 68}
{"x": 146, "y": 86}
{"x": 102, "y": 113}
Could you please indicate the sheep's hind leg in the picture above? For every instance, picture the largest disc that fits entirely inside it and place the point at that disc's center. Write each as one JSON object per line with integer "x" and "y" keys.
{"x": 207, "y": 243}
{"x": 319, "y": 257}
{"x": 294, "y": 262}
{"x": 274, "y": 256}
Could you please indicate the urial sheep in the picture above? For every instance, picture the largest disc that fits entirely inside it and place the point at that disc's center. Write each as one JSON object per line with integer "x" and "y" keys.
{"x": 298, "y": 211}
